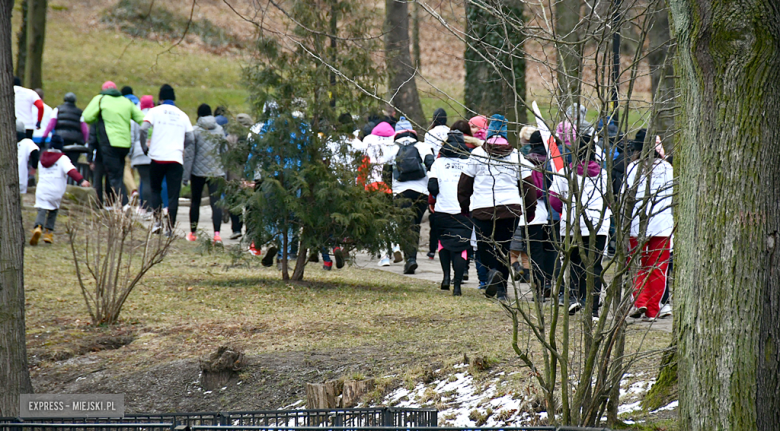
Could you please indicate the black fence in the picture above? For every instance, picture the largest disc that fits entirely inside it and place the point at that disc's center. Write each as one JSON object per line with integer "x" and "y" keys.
{"x": 366, "y": 417}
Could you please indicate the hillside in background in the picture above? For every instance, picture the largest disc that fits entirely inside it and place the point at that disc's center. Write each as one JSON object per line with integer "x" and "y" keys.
{"x": 131, "y": 43}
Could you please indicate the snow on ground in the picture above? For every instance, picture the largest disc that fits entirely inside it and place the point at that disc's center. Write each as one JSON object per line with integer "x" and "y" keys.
{"x": 464, "y": 402}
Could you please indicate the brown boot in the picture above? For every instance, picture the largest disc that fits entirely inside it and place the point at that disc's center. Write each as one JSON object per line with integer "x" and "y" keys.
{"x": 36, "y": 235}
{"x": 48, "y": 237}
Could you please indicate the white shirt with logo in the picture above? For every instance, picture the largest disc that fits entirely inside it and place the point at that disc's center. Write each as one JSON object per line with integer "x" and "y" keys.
{"x": 447, "y": 173}
{"x": 52, "y": 183}
{"x": 170, "y": 125}
{"x": 496, "y": 178}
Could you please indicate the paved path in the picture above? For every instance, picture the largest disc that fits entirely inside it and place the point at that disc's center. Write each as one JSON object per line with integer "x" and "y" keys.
{"x": 428, "y": 269}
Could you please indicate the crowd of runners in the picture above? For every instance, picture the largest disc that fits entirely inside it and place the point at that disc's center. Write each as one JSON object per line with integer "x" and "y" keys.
{"x": 503, "y": 208}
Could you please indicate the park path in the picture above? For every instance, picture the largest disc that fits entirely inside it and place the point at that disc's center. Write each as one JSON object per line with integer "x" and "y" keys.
{"x": 429, "y": 270}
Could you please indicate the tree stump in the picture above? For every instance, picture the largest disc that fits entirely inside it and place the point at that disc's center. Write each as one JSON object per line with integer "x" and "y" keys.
{"x": 354, "y": 390}
{"x": 322, "y": 395}
{"x": 219, "y": 368}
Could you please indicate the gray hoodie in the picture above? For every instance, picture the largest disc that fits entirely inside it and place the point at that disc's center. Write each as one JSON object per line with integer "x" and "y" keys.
{"x": 203, "y": 157}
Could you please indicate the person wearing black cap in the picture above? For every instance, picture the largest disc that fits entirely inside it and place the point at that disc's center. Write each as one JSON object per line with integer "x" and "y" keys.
{"x": 53, "y": 172}
{"x": 172, "y": 133}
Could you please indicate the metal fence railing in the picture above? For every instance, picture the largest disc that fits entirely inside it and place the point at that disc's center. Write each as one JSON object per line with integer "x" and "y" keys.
{"x": 35, "y": 426}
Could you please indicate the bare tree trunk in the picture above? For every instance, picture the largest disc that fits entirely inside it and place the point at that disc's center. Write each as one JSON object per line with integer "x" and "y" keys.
{"x": 14, "y": 377}
{"x": 567, "y": 16}
{"x": 416, "y": 36}
{"x": 21, "y": 45}
{"x": 496, "y": 85}
{"x": 728, "y": 283}
{"x": 402, "y": 89}
{"x": 300, "y": 263}
{"x": 36, "y": 34}
{"x": 661, "y": 62}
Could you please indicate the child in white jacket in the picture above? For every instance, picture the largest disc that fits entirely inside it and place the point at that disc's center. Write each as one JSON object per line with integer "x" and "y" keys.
{"x": 53, "y": 173}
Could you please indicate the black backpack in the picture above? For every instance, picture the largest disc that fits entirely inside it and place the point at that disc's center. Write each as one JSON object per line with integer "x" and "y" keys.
{"x": 408, "y": 165}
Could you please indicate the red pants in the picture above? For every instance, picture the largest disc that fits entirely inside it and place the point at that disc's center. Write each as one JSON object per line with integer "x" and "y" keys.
{"x": 650, "y": 281}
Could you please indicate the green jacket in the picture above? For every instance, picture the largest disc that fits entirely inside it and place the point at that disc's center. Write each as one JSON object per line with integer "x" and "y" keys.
{"x": 117, "y": 111}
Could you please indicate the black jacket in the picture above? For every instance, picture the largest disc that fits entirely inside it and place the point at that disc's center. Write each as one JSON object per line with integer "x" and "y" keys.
{"x": 69, "y": 124}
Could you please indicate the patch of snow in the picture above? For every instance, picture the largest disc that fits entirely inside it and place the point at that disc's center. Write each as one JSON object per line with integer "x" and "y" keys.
{"x": 628, "y": 408}
{"x": 671, "y": 406}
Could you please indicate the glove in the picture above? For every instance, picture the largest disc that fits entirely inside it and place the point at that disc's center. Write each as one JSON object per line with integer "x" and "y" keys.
{"x": 38, "y": 125}
{"x": 145, "y": 149}
{"x": 185, "y": 182}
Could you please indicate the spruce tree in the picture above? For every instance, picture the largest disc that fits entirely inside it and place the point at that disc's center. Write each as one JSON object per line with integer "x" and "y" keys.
{"x": 305, "y": 87}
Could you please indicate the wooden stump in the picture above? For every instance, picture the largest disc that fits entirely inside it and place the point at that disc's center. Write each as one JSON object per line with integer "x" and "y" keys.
{"x": 354, "y": 390}
{"x": 322, "y": 395}
{"x": 221, "y": 367}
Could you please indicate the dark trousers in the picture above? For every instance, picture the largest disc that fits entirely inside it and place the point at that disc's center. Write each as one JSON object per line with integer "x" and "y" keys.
{"x": 579, "y": 270}
{"x": 543, "y": 254}
{"x": 171, "y": 173}
{"x": 114, "y": 169}
{"x": 454, "y": 258}
{"x": 418, "y": 202}
{"x": 493, "y": 238}
{"x": 196, "y": 185}
{"x": 433, "y": 239}
{"x": 144, "y": 187}
{"x": 235, "y": 222}
{"x": 46, "y": 218}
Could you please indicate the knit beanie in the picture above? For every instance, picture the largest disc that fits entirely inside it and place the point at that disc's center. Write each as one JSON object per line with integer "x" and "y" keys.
{"x": 108, "y": 85}
{"x": 383, "y": 129}
{"x": 536, "y": 138}
{"x": 439, "y": 117}
{"x": 204, "y": 110}
{"x": 56, "y": 142}
{"x": 639, "y": 140}
{"x": 17, "y": 81}
{"x": 480, "y": 121}
{"x": 403, "y": 125}
{"x": 69, "y": 97}
{"x": 497, "y": 126}
{"x": 127, "y": 90}
{"x": 244, "y": 120}
{"x": 147, "y": 101}
{"x": 166, "y": 93}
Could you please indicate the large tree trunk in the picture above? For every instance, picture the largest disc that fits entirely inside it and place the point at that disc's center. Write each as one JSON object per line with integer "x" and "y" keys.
{"x": 728, "y": 284}
{"x": 402, "y": 89}
{"x": 21, "y": 45}
{"x": 14, "y": 377}
{"x": 567, "y": 16}
{"x": 661, "y": 64}
{"x": 495, "y": 85}
{"x": 36, "y": 34}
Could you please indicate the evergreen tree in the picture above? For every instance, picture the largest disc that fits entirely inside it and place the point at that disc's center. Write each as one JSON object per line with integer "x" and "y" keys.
{"x": 304, "y": 85}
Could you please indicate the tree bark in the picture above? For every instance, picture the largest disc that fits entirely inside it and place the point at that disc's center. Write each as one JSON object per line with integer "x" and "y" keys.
{"x": 416, "y": 36}
{"x": 728, "y": 159}
{"x": 660, "y": 59}
{"x": 495, "y": 85}
{"x": 14, "y": 377}
{"x": 567, "y": 17}
{"x": 21, "y": 45}
{"x": 402, "y": 89}
{"x": 36, "y": 34}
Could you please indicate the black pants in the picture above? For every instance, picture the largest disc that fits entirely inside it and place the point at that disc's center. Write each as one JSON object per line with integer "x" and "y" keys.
{"x": 418, "y": 202}
{"x": 579, "y": 271}
{"x": 543, "y": 254}
{"x": 196, "y": 184}
{"x": 235, "y": 222}
{"x": 114, "y": 169}
{"x": 454, "y": 258}
{"x": 433, "y": 238}
{"x": 146, "y": 189}
{"x": 171, "y": 173}
{"x": 493, "y": 238}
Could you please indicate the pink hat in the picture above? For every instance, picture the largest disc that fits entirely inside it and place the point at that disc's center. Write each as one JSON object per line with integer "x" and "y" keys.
{"x": 147, "y": 101}
{"x": 480, "y": 121}
{"x": 383, "y": 129}
{"x": 109, "y": 85}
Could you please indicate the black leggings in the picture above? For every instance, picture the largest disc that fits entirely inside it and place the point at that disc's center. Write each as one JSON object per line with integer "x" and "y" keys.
{"x": 419, "y": 203}
{"x": 455, "y": 258}
{"x": 197, "y": 184}
{"x": 146, "y": 188}
{"x": 579, "y": 270}
{"x": 171, "y": 173}
{"x": 493, "y": 238}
